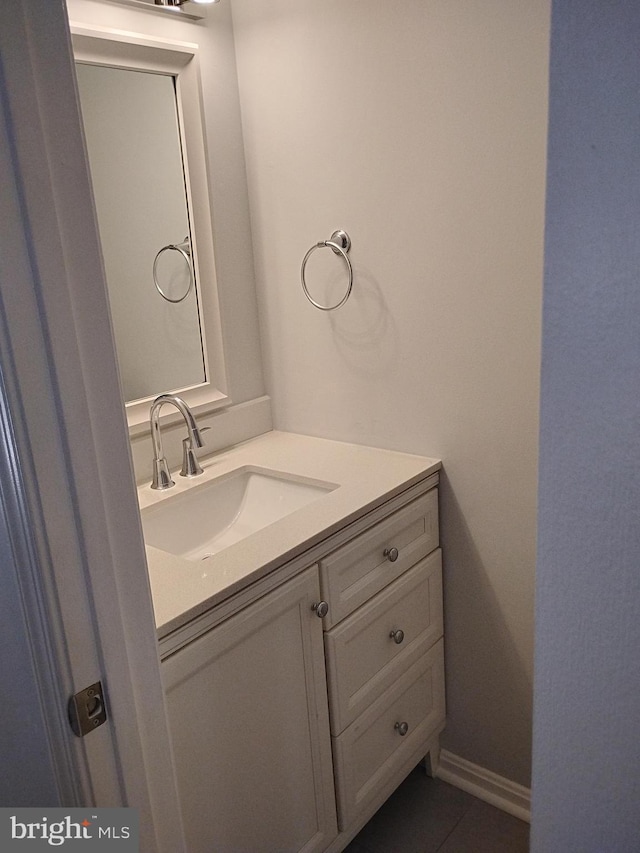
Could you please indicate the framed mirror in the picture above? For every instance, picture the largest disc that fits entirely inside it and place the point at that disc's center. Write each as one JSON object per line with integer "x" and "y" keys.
{"x": 140, "y": 102}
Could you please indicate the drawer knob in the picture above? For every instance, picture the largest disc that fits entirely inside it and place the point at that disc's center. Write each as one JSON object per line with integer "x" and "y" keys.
{"x": 402, "y": 728}
{"x": 321, "y": 608}
{"x": 397, "y": 636}
{"x": 391, "y": 554}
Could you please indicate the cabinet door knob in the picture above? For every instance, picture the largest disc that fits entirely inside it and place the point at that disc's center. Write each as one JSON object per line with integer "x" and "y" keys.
{"x": 402, "y": 728}
{"x": 391, "y": 554}
{"x": 397, "y": 636}
{"x": 321, "y": 608}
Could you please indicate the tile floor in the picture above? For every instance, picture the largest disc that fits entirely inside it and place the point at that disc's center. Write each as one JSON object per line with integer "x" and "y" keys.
{"x": 426, "y": 815}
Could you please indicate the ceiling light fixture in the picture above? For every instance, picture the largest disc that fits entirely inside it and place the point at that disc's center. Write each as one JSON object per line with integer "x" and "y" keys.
{"x": 182, "y": 2}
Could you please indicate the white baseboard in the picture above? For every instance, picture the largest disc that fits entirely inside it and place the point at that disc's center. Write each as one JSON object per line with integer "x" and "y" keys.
{"x": 485, "y": 785}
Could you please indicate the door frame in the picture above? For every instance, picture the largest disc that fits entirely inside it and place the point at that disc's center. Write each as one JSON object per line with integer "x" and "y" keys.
{"x": 72, "y": 500}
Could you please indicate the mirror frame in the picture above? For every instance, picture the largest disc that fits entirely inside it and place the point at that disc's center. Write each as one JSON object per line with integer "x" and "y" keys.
{"x": 132, "y": 51}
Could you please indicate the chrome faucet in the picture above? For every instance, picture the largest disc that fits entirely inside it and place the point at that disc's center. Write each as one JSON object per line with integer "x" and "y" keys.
{"x": 190, "y": 465}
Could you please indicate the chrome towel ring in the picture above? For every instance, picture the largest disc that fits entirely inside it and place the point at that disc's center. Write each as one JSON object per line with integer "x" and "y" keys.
{"x": 339, "y": 243}
{"x": 185, "y": 250}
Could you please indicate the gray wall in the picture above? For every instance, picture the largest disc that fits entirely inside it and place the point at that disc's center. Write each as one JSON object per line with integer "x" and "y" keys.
{"x": 28, "y": 773}
{"x": 419, "y": 126}
{"x": 586, "y": 780}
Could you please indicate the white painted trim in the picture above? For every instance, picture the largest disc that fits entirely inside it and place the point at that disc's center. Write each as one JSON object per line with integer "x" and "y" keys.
{"x": 502, "y": 793}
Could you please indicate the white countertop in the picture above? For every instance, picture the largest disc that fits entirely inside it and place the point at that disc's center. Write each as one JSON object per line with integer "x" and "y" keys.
{"x": 366, "y": 476}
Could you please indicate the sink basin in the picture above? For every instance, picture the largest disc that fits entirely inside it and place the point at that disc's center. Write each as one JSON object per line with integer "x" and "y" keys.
{"x": 204, "y": 519}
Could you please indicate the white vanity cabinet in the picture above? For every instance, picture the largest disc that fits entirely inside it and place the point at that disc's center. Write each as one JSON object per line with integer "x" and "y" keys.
{"x": 290, "y": 730}
{"x": 249, "y": 724}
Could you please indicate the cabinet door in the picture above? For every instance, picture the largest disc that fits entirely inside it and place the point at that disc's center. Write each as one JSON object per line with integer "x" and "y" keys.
{"x": 247, "y": 707}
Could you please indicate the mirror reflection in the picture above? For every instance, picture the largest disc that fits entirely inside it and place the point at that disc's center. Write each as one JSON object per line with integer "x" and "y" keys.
{"x": 133, "y": 143}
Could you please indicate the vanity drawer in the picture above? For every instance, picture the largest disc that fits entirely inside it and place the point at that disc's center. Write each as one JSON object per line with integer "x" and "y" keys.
{"x": 364, "y": 659}
{"x": 355, "y": 572}
{"x": 372, "y": 750}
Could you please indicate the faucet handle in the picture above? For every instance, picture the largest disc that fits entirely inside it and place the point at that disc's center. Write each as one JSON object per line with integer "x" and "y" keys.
{"x": 191, "y": 466}
{"x": 201, "y": 430}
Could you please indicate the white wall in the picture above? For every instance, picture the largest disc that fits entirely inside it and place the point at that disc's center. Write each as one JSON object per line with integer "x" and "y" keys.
{"x": 419, "y": 126}
{"x": 586, "y": 780}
